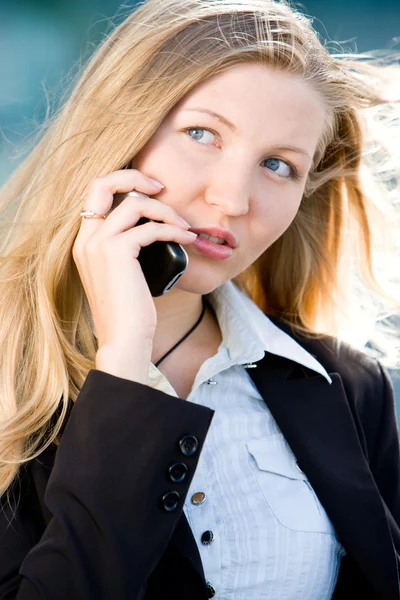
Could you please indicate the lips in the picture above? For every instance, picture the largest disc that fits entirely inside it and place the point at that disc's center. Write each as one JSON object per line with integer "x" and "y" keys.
{"x": 224, "y": 234}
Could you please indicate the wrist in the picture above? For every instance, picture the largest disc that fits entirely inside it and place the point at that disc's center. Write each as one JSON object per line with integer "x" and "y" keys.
{"x": 127, "y": 361}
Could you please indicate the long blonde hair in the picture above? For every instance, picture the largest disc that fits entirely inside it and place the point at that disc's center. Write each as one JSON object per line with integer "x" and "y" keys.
{"x": 317, "y": 276}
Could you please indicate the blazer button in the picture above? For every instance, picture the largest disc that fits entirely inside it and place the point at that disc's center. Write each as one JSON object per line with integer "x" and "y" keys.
{"x": 188, "y": 444}
{"x": 177, "y": 472}
{"x": 210, "y": 589}
{"x": 170, "y": 500}
{"x": 207, "y": 538}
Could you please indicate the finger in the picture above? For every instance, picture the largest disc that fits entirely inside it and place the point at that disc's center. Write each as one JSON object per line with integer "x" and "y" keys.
{"x": 130, "y": 242}
{"x": 131, "y": 209}
{"x": 102, "y": 189}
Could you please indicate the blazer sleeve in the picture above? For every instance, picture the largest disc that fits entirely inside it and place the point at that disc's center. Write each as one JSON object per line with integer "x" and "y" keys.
{"x": 385, "y": 458}
{"x": 109, "y": 523}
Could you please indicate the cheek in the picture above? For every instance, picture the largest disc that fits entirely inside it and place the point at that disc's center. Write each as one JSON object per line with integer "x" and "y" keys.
{"x": 169, "y": 165}
{"x": 271, "y": 221}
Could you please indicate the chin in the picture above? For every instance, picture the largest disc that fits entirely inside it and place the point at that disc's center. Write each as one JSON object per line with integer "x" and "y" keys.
{"x": 201, "y": 280}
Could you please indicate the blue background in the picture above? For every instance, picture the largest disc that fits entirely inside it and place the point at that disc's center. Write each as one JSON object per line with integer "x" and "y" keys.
{"x": 41, "y": 42}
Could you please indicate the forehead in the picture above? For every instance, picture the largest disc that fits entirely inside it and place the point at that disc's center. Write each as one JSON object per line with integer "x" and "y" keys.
{"x": 258, "y": 98}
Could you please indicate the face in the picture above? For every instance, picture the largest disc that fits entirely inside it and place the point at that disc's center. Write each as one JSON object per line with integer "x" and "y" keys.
{"x": 243, "y": 177}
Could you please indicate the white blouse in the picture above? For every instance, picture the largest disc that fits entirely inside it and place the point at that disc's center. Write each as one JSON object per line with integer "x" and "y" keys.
{"x": 261, "y": 531}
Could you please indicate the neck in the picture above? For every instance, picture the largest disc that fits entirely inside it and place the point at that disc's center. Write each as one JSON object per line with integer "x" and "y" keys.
{"x": 177, "y": 312}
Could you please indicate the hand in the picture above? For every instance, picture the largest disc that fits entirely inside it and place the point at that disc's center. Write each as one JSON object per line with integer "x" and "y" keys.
{"x": 105, "y": 252}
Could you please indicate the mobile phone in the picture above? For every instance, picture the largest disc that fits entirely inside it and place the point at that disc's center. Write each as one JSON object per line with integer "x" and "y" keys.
{"x": 163, "y": 263}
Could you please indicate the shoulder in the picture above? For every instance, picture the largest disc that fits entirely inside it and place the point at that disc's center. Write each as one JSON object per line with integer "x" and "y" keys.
{"x": 353, "y": 365}
{"x": 366, "y": 382}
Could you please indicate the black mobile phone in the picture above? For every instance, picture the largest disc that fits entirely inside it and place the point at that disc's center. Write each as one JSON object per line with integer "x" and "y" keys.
{"x": 163, "y": 263}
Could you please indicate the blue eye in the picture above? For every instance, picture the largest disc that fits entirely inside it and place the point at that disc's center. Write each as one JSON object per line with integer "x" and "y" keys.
{"x": 197, "y": 129}
{"x": 274, "y": 163}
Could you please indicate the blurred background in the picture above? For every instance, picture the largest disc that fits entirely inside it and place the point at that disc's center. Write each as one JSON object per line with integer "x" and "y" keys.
{"x": 43, "y": 41}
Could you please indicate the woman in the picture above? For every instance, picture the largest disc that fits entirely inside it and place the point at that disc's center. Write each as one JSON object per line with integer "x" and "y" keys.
{"x": 261, "y": 459}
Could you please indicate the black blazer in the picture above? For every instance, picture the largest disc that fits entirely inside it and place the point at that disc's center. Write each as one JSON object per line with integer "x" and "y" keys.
{"x": 106, "y": 521}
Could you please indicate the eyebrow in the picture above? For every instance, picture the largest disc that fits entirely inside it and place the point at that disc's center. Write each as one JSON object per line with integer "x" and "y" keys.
{"x": 234, "y": 128}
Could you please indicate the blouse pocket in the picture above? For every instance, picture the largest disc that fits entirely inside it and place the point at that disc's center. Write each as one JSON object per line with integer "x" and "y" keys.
{"x": 286, "y": 488}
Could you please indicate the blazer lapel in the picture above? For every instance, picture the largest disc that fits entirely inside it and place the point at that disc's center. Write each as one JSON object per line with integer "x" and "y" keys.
{"x": 315, "y": 418}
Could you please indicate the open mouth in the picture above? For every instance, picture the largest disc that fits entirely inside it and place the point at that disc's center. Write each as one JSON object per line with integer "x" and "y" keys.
{"x": 216, "y": 240}
{"x": 218, "y": 250}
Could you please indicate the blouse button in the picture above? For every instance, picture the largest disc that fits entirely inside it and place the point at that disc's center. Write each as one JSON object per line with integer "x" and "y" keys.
{"x": 210, "y": 589}
{"x": 207, "y": 538}
{"x": 198, "y": 498}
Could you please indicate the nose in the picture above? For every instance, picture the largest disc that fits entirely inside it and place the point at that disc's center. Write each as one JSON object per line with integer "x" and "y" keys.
{"x": 233, "y": 200}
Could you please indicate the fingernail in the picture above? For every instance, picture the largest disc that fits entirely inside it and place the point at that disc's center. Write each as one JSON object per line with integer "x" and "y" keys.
{"x": 185, "y": 222}
{"x": 156, "y": 182}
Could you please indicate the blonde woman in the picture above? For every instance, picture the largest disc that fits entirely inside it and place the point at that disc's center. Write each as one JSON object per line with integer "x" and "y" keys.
{"x": 234, "y": 437}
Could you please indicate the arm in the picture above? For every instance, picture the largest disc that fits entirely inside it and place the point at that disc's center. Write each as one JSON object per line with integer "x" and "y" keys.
{"x": 109, "y": 527}
{"x": 385, "y": 459}
{"x": 21, "y": 526}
